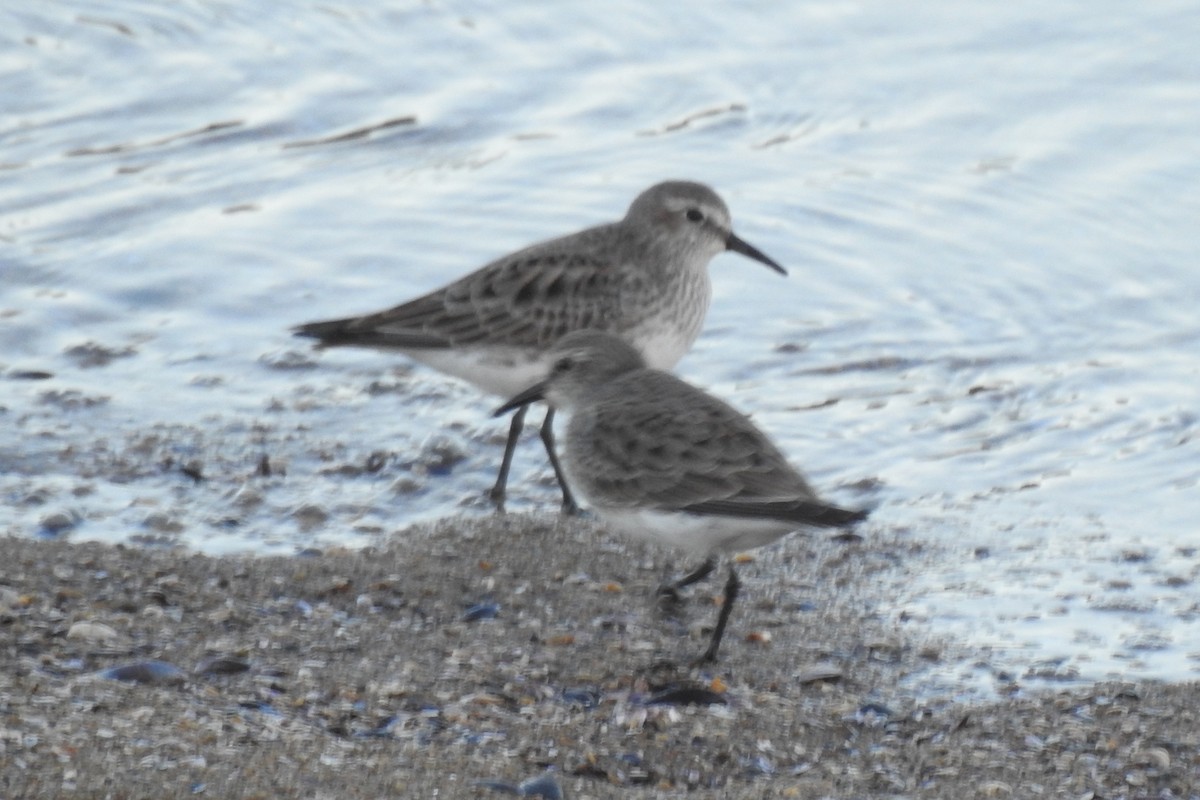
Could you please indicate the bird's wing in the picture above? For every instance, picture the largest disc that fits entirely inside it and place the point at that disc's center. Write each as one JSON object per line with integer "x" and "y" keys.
{"x": 655, "y": 438}
{"x": 528, "y": 299}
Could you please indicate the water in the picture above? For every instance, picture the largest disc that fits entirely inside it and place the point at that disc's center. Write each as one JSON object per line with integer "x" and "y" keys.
{"x": 990, "y": 330}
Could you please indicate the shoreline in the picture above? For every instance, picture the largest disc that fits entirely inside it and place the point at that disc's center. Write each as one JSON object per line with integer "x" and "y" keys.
{"x": 461, "y": 658}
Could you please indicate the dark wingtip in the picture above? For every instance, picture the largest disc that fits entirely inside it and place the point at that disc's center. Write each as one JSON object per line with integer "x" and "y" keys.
{"x": 846, "y": 516}
{"x": 324, "y": 335}
{"x": 801, "y": 512}
{"x": 317, "y": 330}
{"x": 350, "y": 332}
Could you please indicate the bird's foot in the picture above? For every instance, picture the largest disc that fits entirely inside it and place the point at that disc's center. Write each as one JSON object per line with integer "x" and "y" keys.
{"x": 668, "y": 601}
{"x": 496, "y": 495}
{"x": 708, "y": 657}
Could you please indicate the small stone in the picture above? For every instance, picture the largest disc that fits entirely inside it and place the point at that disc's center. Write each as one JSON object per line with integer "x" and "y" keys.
{"x": 441, "y": 454}
{"x": 885, "y": 650}
{"x": 71, "y": 399}
{"x": 92, "y": 632}
{"x": 162, "y": 523}
{"x": 93, "y": 354}
{"x": 481, "y": 611}
{"x": 1156, "y": 757}
{"x": 58, "y": 522}
{"x": 587, "y": 698}
{"x": 150, "y": 671}
{"x": 310, "y": 516}
{"x": 868, "y": 710}
{"x": 542, "y": 786}
{"x": 287, "y": 361}
{"x": 29, "y": 375}
{"x": 406, "y": 484}
{"x": 339, "y": 584}
{"x": 822, "y": 671}
{"x": 9, "y": 598}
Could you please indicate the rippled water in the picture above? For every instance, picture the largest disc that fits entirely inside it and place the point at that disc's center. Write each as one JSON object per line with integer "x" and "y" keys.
{"x": 990, "y": 331}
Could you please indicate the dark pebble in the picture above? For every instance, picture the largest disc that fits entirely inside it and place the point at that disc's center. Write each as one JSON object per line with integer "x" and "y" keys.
{"x": 588, "y": 698}
{"x": 685, "y": 696}
{"x": 145, "y": 672}
{"x": 383, "y": 729}
{"x": 481, "y": 611}
{"x": 875, "y": 708}
{"x": 55, "y": 524}
{"x": 542, "y": 786}
{"x": 194, "y": 470}
{"x": 637, "y": 773}
{"x": 760, "y": 765}
{"x": 499, "y": 786}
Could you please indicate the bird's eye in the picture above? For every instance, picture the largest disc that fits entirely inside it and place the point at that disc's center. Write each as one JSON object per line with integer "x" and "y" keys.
{"x": 564, "y": 364}
{"x": 695, "y": 215}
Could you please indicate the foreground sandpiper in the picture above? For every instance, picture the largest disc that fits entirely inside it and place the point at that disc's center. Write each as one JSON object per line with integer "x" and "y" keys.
{"x": 644, "y": 279}
{"x": 658, "y": 458}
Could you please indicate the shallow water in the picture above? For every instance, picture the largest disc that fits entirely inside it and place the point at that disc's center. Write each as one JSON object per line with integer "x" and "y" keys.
{"x": 989, "y": 332}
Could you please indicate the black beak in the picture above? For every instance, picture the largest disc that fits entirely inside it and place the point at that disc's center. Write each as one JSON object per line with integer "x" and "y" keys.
{"x": 750, "y": 251}
{"x": 530, "y": 395}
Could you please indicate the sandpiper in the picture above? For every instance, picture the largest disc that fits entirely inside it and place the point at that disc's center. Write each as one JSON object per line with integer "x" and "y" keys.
{"x": 658, "y": 458}
{"x": 644, "y": 279}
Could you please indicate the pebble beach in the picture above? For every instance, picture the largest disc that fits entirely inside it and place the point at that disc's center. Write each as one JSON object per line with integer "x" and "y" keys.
{"x": 523, "y": 655}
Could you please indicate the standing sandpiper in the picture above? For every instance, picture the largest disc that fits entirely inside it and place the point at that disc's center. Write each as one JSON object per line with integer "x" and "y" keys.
{"x": 658, "y": 458}
{"x": 644, "y": 279}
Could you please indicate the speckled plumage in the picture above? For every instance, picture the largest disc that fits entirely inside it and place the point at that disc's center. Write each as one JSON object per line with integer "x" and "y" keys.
{"x": 644, "y": 278}
{"x": 658, "y": 458}
{"x": 640, "y": 439}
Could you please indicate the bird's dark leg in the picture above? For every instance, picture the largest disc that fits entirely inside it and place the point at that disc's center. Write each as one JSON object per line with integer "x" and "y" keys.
{"x": 698, "y": 574}
{"x": 497, "y": 494}
{"x": 668, "y": 593}
{"x": 732, "y": 587}
{"x": 569, "y": 506}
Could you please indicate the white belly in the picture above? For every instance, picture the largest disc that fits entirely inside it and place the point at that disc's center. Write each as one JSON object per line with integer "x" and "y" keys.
{"x": 500, "y": 371}
{"x": 694, "y": 532}
{"x": 505, "y": 371}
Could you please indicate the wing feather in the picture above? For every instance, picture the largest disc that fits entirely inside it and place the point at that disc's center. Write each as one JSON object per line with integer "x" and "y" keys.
{"x": 668, "y": 442}
{"x": 527, "y": 299}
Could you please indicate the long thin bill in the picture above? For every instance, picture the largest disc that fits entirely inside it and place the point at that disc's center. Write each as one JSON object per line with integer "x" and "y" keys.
{"x": 738, "y": 245}
{"x": 530, "y": 395}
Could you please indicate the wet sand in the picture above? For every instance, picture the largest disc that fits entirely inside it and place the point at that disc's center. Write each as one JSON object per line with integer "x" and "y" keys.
{"x": 464, "y": 658}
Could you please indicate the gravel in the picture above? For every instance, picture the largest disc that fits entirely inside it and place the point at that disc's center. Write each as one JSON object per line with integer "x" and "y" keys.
{"x": 523, "y": 655}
